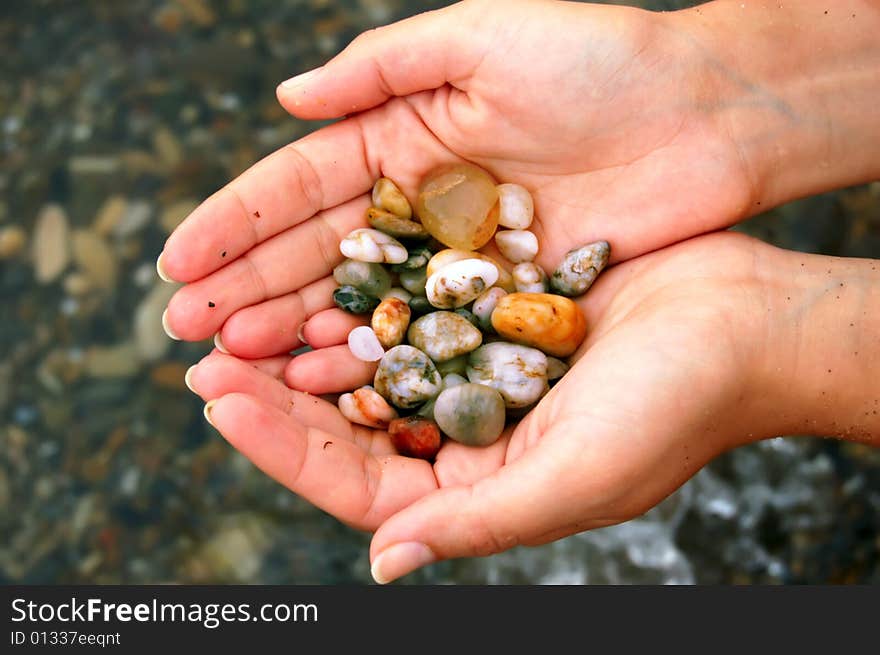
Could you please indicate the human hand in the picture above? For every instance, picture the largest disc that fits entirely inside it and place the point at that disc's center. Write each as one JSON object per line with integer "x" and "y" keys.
{"x": 692, "y": 350}
{"x": 635, "y": 127}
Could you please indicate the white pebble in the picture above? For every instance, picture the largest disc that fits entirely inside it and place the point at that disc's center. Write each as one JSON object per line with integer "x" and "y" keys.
{"x": 364, "y": 344}
{"x": 456, "y": 284}
{"x": 516, "y": 206}
{"x": 517, "y": 245}
{"x": 397, "y": 292}
{"x": 369, "y": 245}
{"x": 530, "y": 278}
{"x": 484, "y": 305}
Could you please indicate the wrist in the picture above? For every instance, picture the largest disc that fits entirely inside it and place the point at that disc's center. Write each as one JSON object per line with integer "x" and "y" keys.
{"x": 795, "y": 88}
{"x": 821, "y": 357}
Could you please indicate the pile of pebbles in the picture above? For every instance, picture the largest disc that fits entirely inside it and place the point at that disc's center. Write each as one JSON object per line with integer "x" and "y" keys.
{"x": 462, "y": 344}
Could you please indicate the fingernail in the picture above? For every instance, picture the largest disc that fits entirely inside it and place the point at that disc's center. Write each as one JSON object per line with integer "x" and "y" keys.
{"x": 300, "y": 79}
{"x": 187, "y": 378}
{"x": 160, "y": 269}
{"x": 218, "y": 344}
{"x": 208, "y": 407}
{"x": 400, "y": 559}
{"x": 299, "y": 333}
{"x": 167, "y": 327}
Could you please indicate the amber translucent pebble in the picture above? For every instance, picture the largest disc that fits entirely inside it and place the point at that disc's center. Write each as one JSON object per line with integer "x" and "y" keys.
{"x": 458, "y": 205}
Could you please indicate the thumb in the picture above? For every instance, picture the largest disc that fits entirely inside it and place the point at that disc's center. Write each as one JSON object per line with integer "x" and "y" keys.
{"x": 412, "y": 55}
{"x": 536, "y": 499}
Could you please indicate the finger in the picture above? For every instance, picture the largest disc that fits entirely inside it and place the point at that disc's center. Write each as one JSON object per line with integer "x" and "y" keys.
{"x": 416, "y": 54}
{"x": 522, "y": 502}
{"x": 218, "y": 374}
{"x": 285, "y": 263}
{"x": 333, "y": 474}
{"x": 275, "y": 326}
{"x": 331, "y": 327}
{"x": 320, "y": 171}
{"x": 329, "y": 370}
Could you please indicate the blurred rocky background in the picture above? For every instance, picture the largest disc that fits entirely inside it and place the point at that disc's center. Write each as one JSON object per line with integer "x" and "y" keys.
{"x": 116, "y": 118}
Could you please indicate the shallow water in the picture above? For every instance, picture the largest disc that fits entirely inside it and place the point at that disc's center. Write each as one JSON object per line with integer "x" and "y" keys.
{"x": 123, "y": 115}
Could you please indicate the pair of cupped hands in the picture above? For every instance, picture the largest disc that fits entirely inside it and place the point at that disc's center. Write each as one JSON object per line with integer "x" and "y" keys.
{"x": 589, "y": 108}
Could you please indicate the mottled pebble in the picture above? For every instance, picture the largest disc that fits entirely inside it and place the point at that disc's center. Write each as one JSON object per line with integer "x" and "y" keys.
{"x": 518, "y": 373}
{"x": 516, "y": 206}
{"x": 397, "y": 292}
{"x": 406, "y": 377}
{"x": 364, "y": 344}
{"x": 390, "y": 321}
{"x": 370, "y": 278}
{"x": 417, "y": 258}
{"x": 414, "y": 281}
{"x": 415, "y": 436}
{"x": 388, "y": 196}
{"x": 485, "y": 304}
{"x": 517, "y": 246}
{"x": 551, "y": 323}
{"x": 456, "y": 284}
{"x": 369, "y": 245}
{"x": 450, "y": 255}
{"x": 394, "y": 225}
{"x": 472, "y": 414}
{"x": 365, "y": 406}
{"x": 530, "y": 278}
{"x": 443, "y": 335}
{"x": 353, "y": 300}
{"x": 580, "y": 268}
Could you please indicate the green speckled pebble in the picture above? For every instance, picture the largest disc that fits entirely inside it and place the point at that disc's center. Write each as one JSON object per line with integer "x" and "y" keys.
{"x": 354, "y": 301}
{"x": 369, "y": 278}
{"x": 420, "y": 306}
{"x": 472, "y": 414}
{"x": 418, "y": 257}
{"x": 414, "y": 280}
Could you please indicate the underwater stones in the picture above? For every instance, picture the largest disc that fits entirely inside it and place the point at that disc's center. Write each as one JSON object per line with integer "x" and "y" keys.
{"x": 553, "y": 324}
{"x": 458, "y": 205}
{"x": 580, "y": 268}
{"x": 444, "y": 335}
{"x": 406, "y": 377}
{"x": 518, "y": 373}
{"x": 472, "y": 414}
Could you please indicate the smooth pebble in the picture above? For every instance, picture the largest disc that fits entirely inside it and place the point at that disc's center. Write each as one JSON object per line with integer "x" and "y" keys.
{"x": 389, "y": 223}
{"x": 516, "y": 207}
{"x": 368, "y": 277}
{"x": 397, "y": 292}
{"x": 390, "y": 321}
{"x": 388, "y": 196}
{"x": 517, "y": 372}
{"x": 580, "y": 268}
{"x": 443, "y": 335}
{"x": 414, "y": 281}
{"x": 458, "y": 283}
{"x": 450, "y": 255}
{"x": 368, "y": 245}
{"x": 364, "y": 344}
{"x": 551, "y": 323}
{"x": 365, "y": 406}
{"x": 517, "y": 246}
{"x": 353, "y": 300}
{"x": 556, "y": 368}
{"x": 530, "y": 278}
{"x": 472, "y": 414}
{"x": 485, "y": 304}
{"x": 406, "y": 377}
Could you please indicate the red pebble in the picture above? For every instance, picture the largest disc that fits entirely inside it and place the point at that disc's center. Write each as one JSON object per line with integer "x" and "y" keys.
{"x": 414, "y": 436}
